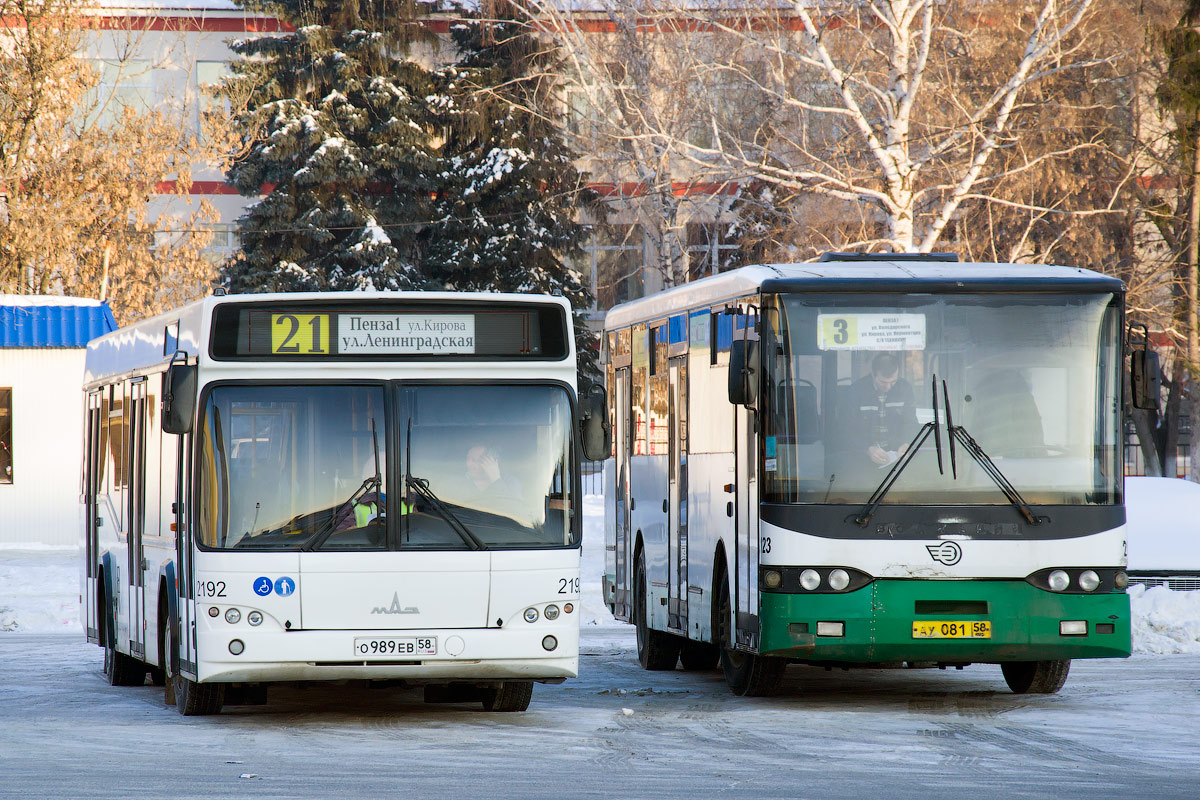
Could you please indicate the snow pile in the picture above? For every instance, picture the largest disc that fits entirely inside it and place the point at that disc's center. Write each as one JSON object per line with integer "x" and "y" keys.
{"x": 39, "y": 590}
{"x": 1165, "y": 621}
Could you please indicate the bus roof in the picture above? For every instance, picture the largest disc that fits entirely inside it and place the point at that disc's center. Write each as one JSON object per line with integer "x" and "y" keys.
{"x": 862, "y": 276}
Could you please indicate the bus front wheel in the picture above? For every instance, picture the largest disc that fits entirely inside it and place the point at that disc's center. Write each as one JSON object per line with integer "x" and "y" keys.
{"x": 656, "y": 650}
{"x": 191, "y": 699}
{"x": 1035, "y": 677}
{"x": 508, "y": 696}
{"x": 748, "y": 674}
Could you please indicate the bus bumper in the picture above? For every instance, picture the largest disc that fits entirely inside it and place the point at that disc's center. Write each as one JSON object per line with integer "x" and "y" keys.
{"x": 482, "y": 654}
{"x": 878, "y": 623}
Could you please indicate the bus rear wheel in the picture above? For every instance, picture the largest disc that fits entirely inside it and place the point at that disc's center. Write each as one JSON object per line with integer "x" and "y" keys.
{"x": 120, "y": 669}
{"x": 1035, "y": 677}
{"x": 508, "y": 696}
{"x": 656, "y": 650}
{"x": 747, "y": 674}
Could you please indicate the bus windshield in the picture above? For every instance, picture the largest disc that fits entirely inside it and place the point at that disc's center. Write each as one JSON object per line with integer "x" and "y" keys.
{"x": 375, "y": 467}
{"x": 1033, "y": 379}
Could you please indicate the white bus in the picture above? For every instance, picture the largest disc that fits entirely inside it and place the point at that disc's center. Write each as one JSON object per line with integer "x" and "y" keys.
{"x": 310, "y": 487}
{"x": 870, "y": 460}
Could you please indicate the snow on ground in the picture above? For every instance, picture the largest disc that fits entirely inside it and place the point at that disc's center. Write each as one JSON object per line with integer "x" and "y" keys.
{"x": 39, "y": 589}
{"x": 39, "y": 593}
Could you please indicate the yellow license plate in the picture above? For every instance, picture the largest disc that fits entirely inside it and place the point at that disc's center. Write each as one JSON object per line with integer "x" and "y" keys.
{"x": 952, "y": 630}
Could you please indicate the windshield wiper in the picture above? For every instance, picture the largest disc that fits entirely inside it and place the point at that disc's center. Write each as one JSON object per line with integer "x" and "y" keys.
{"x": 376, "y": 481}
{"x": 902, "y": 463}
{"x": 984, "y": 460}
{"x": 420, "y": 487}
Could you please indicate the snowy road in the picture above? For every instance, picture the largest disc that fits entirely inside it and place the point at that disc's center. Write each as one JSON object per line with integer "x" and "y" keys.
{"x": 1117, "y": 728}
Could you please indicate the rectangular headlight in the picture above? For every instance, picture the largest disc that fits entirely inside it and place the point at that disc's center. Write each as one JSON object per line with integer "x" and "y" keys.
{"x": 831, "y": 629}
{"x": 1072, "y": 627}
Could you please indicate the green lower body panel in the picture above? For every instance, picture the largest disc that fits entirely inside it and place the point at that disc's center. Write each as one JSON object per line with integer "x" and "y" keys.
{"x": 878, "y": 623}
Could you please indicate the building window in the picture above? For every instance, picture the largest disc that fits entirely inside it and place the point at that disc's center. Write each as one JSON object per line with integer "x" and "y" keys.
{"x": 6, "y": 457}
{"x": 122, "y": 84}
{"x": 709, "y": 250}
{"x": 210, "y": 107}
{"x": 614, "y": 258}
{"x": 225, "y": 241}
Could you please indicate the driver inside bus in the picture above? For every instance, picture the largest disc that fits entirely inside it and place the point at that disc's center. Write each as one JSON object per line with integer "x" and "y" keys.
{"x": 883, "y": 415}
{"x": 483, "y": 473}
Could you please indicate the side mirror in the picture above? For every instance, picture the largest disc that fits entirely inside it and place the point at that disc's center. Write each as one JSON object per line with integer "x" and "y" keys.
{"x": 1145, "y": 378}
{"x": 594, "y": 430}
{"x": 744, "y": 373}
{"x": 179, "y": 398}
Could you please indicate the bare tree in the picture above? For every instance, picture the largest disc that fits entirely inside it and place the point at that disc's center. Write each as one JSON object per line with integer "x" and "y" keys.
{"x": 82, "y": 173}
{"x": 630, "y": 98}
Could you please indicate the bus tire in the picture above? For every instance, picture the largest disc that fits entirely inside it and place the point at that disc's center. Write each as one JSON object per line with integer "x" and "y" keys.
{"x": 508, "y": 696}
{"x": 656, "y": 650}
{"x": 120, "y": 669}
{"x": 1035, "y": 677}
{"x": 198, "y": 699}
{"x": 699, "y": 656}
{"x": 747, "y": 674}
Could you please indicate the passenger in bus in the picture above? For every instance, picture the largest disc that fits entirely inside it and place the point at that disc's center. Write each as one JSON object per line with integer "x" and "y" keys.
{"x": 1003, "y": 416}
{"x": 883, "y": 413}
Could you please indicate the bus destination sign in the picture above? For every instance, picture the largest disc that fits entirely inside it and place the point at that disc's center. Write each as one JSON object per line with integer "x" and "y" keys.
{"x": 372, "y": 334}
{"x": 397, "y": 334}
{"x": 379, "y": 332}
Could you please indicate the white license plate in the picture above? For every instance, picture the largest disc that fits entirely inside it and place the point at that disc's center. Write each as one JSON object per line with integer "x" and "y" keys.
{"x": 391, "y": 646}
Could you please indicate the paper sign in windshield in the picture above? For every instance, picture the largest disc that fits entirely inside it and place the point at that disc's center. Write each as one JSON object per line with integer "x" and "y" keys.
{"x": 438, "y": 334}
{"x": 871, "y": 331}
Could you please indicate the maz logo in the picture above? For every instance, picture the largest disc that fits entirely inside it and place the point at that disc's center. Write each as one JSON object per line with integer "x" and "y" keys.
{"x": 395, "y": 607}
{"x": 947, "y": 553}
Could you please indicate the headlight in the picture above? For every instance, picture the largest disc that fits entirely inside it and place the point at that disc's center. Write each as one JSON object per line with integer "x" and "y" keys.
{"x": 254, "y": 618}
{"x": 549, "y": 643}
{"x": 810, "y": 579}
{"x": 772, "y": 579}
{"x": 233, "y": 617}
{"x": 531, "y": 615}
{"x": 1089, "y": 580}
{"x": 237, "y": 647}
{"x": 1059, "y": 580}
{"x": 1121, "y": 580}
{"x": 839, "y": 579}
{"x": 551, "y": 612}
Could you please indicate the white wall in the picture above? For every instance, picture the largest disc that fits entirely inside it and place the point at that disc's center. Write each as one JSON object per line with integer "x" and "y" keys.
{"x": 41, "y": 505}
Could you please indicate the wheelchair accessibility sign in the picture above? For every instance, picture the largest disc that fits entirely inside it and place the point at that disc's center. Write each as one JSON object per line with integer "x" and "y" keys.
{"x": 281, "y": 586}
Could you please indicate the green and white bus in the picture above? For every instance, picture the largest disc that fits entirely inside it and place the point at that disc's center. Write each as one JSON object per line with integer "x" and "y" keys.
{"x": 870, "y": 460}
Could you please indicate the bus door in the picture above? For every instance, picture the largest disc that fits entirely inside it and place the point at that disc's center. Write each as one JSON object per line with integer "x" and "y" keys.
{"x": 677, "y": 572}
{"x": 135, "y": 512}
{"x": 185, "y": 640}
{"x": 91, "y": 492}
{"x": 746, "y": 457}
{"x": 622, "y": 436}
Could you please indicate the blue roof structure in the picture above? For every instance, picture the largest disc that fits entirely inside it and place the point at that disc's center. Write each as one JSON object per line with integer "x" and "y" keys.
{"x": 51, "y": 321}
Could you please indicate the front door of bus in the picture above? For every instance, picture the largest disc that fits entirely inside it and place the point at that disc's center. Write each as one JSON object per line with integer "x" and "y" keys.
{"x": 136, "y": 514}
{"x": 746, "y": 623}
{"x": 621, "y": 523}
{"x": 677, "y": 573}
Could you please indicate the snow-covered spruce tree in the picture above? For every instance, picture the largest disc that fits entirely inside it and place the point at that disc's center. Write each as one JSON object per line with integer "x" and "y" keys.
{"x": 506, "y": 206}
{"x": 338, "y": 138}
